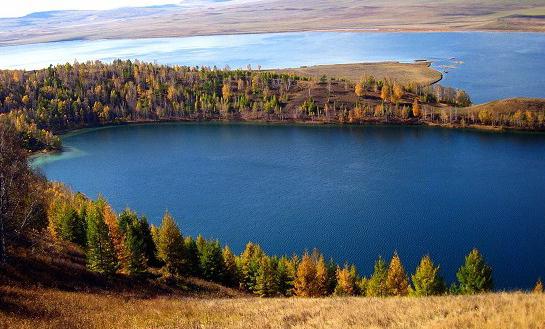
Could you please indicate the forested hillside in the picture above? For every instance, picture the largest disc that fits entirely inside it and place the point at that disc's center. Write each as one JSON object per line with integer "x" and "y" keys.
{"x": 61, "y": 98}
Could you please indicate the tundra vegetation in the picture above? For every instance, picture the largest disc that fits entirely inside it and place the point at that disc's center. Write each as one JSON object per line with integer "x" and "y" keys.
{"x": 39, "y": 104}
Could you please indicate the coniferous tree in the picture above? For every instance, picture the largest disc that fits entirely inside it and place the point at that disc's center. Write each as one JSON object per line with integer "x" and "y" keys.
{"x": 538, "y": 288}
{"x": 230, "y": 266}
{"x": 150, "y": 251}
{"x": 426, "y": 280}
{"x": 376, "y": 287}
{"x": 285, "y": 272}
{"x": 305, "y": 280}
{"x": 211, "y": 261}
{"x": 322, "y": 276}
{"x": 170, "y": 246}
{"x": 475, "y": 276}
{"x": 192, "y": 257}
{"x": 134, "y": 260}
{"x": 346, "y": 281}
{"x": 266, "y": 280}
{"x": 248, "y": 266}
{"x": 100, "y": 249}
{"x": 397, "y": 281}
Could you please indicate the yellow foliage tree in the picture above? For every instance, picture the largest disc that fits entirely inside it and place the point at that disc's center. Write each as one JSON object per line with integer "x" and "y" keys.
{"x": 226, "y": 90}
{"x": 538, "y": 288}
{"x": 397, "y": 281}
{"x": 305, "y": 281}
{"x": 417, "y": 109}
{"x": 385, "y": 93}
{"x": 346, "y": 281}
{"x": 359, "y": 89}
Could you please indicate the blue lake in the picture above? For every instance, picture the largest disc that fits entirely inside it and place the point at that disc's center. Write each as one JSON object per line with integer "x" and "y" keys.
{"x": 353, "y": 192}
{"x": 487, "y": 65}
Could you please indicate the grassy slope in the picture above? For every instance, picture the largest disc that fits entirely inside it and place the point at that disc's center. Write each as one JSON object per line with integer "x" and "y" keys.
{"x": 47, "y": 308}
{"x": 47, "y": 286}
{"x": 228, "y": 17}
{"x": 405, "y": 73}
{"x": 510, "y": 105}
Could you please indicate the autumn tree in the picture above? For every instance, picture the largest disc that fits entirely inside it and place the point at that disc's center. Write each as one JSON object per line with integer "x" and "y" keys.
{"x": 538, "y": 288}
{"x": 359, "y": 89}
{"x": 101, "y": 257}
{"x": 170, "y": 246}
{"x": 426, "y": 280}
{"x": 385, "y": 93}
{"x": 134, "y": 245}
{"x": 376, "y": 287}
{"x": 266, "y": 284}
{"x": 346, "y": 281}
{"x": 248, "y": 266}
{"x": 417, "y": 109}
{"x": 191, "y": 251}
{"x": 397, "y": 282}
{"x": 475, "y": 276}
{"x": 230, "y": 267}
{"x": 21, "y": 192}
{"x": 305, "y": 280}
{"x": 285, "y": 275}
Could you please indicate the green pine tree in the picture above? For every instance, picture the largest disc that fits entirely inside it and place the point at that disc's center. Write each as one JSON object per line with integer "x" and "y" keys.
{"x": 426, "y": 280}
{"x": 211, "y": 261}
{"x": 191, "y": 257}
{"x": 100, "y": 250}
{"x": 475, "y": 276}
{"x": 376, "y": 287}
{"x": 248, "y": 266}
{"x": 266, "y": 280}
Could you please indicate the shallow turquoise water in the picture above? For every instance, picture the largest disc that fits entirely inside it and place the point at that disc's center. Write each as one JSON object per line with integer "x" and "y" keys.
{"x": 488, "y": 65}
{"x": 353, "y": 192}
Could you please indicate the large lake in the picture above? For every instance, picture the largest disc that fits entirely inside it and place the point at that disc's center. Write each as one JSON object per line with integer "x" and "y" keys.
{"x": 353, "y": 192}
{"x": 488, "y": 65}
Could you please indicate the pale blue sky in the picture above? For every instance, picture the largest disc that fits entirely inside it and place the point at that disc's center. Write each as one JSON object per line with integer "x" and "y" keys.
{"x": 17, "y": 8}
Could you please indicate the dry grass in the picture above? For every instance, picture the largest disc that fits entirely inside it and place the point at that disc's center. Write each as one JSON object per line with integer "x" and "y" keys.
{"x": 43, "y": 308}
{"x": 509, "y": 106}
{"x": 420, "y": 73}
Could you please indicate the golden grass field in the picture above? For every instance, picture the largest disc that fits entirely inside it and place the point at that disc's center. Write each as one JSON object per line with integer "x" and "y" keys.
{"x": 45, "y": 308}
{"x": 419, "y": 72}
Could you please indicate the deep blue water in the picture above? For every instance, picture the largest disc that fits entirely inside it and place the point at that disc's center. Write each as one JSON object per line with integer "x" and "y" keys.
{"x": 353, "y": 192}
{"x": 487, "y": 65}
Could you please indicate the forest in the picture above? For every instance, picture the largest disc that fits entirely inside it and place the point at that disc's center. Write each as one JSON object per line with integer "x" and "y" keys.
{"x": 125, "y": 244}
{"x": 40, "y": 104}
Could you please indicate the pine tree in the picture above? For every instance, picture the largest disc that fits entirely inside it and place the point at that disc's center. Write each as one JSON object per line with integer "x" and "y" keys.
{"x": 426, "y": 279}
{"x": 100, "y": 249}
{"x": 346, "y": 281}
{"x": 376, "y": 286}
{"x": 248, "y": 266}
{"x": 230, "y": 266}
{"x": 150, "y": 250}
{"x": 397, "y": 281}
{"x": 266, "y": 280}
{"x": 170, "y": 246}
{"x": 322, "y": 276}
{"x": 211, "y": 261}
{"x": 385, "y": 93}
{"x": 538, "y": 288}
{"x": 305, "y": 280}
{"x": 475, "y": 276}
{"x": 359, "y": 89}
{"x": 192, "y": 257}
{"x": 110, "y": 218}
{"x": 134, "y": 260}
{"x": 362, "y": 284}
{"x": 417, "y": 109}
{"x": 285, "y": 275}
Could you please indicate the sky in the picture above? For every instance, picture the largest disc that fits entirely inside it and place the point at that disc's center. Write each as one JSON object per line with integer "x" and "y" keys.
{"x": 18, "y": 8}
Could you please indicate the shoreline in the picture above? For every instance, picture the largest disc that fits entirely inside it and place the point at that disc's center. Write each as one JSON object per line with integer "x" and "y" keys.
{"x": 32, "y": 156}
{"x": 47, "y": 40}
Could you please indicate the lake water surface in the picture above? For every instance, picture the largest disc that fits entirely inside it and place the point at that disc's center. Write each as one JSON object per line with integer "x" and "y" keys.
{"x": 353, "y": 192}
{"x": 487, "y": 65}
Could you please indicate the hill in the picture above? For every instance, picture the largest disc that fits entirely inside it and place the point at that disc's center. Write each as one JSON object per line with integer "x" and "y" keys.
{"x": 510, "y": 105}
{"x": 203, "y": 17}
{"x": 48, "y": 286}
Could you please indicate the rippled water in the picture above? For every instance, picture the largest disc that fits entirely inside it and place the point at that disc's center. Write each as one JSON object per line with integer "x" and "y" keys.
{"x": 488, "y": 65}
{"x": 353, "y": 192}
